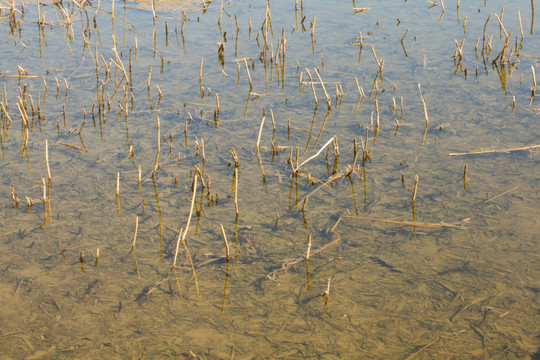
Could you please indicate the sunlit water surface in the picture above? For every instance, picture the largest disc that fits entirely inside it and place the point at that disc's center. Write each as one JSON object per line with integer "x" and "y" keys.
{"x": 453, "y": 274}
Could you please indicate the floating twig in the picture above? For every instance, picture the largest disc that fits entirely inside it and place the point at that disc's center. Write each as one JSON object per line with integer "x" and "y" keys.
{"x": 410, "y": 223}
{"x": 480, "y": 152}
{"x": 503, "y": 193}
{"x": 287, "y": 265}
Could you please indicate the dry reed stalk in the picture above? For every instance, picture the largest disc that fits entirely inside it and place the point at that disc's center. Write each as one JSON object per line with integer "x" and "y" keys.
{"x": 67, "y": 88}
{"x": 159, "y": 95}
{"x": 360, "y": 91}
{"x": 285, "y": 266}
{"x": 112, "y": 21}
{"x": 177, "y": 246}
{"x": 261, "y": 129}
{"x": 484, "y": 34}
{"x": 118, "y": 190}
{"x": 533, "y": 89}
{"x": 314, "y": 156}
{"x": 309, "y": 247}
{"x": 415, "y": 188}
{"x": 520, "y": 24}
{"x": 149, "y": 77}
{"x": 313, "y": 34}
{"x": 235, "y": 158}
{"x": 328, "y": 99}
{"x": 312, "y": 88}
{"x": 375, "y": 55}
{"x": 21, "y": 76}
{"x": 217, "y": 104}
{"x": 273, "y": 121}
{"x": 424, "y": 105}
{"x": 83, "y": 122}
{"x": 248, "y": 74}
{"x": 503, "y": 193}
{"x": 72, "y": 146}
{"x": 135, "y": 236}
{"x": 360, "y": 10}
{"x": 376, "y": 112}
{"x": 480, "y": 152}
{"x": 57, "y": 87}
{"x": 236, "y": 190}
{"x": 47, "y": 159}
{"x": 227, "y": 251}
{"x": 410, "y": 223}
{"x": 156, "y": 162}
{"x": 45, "y": 200}
{"x": 326, "y": 294}
{"x": 182, "y": 235}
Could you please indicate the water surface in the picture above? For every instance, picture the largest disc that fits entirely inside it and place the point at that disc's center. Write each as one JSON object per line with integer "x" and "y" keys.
{"x": 452, "y": 274}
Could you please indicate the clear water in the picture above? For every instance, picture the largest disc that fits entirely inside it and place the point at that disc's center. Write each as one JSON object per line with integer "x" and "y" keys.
{"x": 395, "y": 290}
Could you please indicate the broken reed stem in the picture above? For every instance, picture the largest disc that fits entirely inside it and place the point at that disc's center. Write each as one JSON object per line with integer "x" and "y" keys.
{"x": 156, "y": 162}
{"x": 236, "y": 189}
{"x": 424, "y": 105}
{"x": 326, "y": 294}
{"x": 44, "y": 188}
{"x": 328, "y": 99}
{"x": 177, "y": 246}
{"x": 480, "y": 152}
{"x": 133, "y": 247}
{"x": 135, "y": 236}
{"x": 534, "y": 81}
{"x": 313, "y": 34}
{"x": 520, "y": 24}
{"x": 47, "y": 159}
{"x": 227, "y": 252}
{"x": 248, "y": 74}
{"x": 261, "y": 129}
{"x": 308, "y": 246}
{"x": 415, "y": 188}
{"x": 287, "y": 265}
{"x": 375, "y": 55}
{"x": 312, "y": 88}
{"x": 501, "y": 24}
{"x": 377, "y": 116}
{"x": 406, "y": 223}
{"x": 182, "y": 235}
{"x": 317, "y": 154}
{"x": 503, "y": 193}
{"x": 200, "y": 77}
{"x": 118, "y": 190}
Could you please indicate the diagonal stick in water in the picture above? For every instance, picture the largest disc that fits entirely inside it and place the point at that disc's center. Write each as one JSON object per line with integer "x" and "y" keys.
{"x": 317, "y": 154}
{"x": 182, "y": 236}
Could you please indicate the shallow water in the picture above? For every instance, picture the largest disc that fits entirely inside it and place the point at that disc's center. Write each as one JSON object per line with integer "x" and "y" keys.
{"x": 453, "y": 274}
